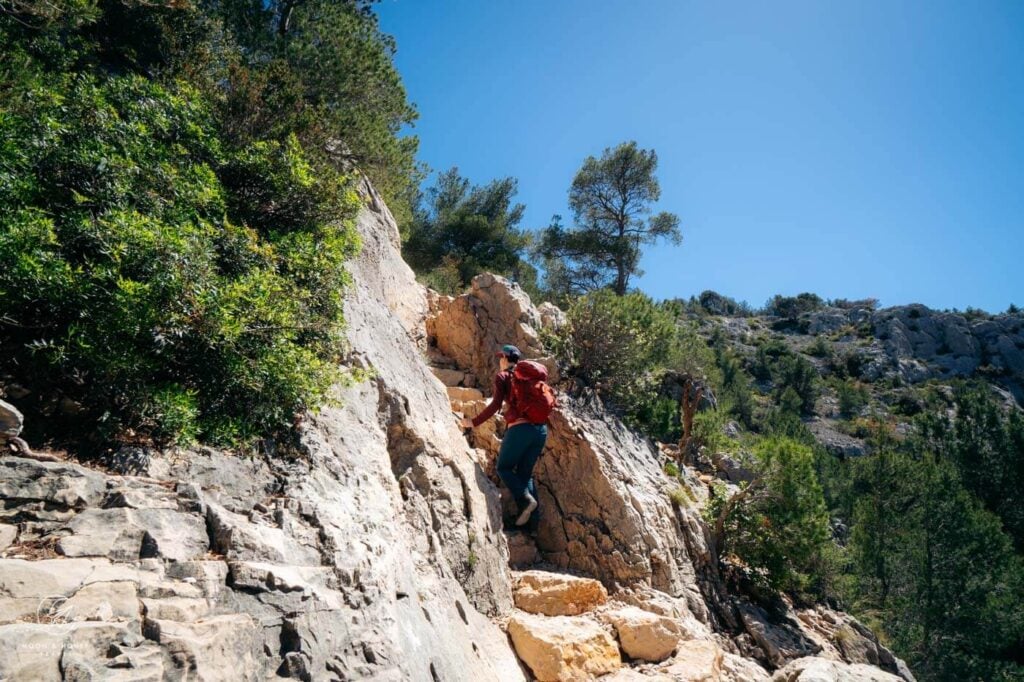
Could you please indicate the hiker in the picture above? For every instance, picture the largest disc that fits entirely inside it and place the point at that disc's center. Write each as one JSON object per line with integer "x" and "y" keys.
{"x": 520, "y": 384}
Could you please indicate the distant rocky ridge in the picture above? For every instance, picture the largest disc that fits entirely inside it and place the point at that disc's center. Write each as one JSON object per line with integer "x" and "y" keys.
{"x": 890, "y": 351}
{"x": 912, "y": 343}
{"x": 377, "y": 551}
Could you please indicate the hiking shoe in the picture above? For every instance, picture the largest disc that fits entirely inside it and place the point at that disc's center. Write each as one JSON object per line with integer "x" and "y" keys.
{"x": 531, "y": 504}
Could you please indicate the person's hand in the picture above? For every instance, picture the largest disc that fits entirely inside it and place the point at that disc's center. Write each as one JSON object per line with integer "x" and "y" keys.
{"x": 466, "y": 423}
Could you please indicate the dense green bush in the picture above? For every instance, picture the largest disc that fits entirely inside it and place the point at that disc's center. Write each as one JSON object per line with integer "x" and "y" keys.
{"x": 460, "y": 230}
{"x": 624, "y": 346}
{"x": 715, "y": 303}
{"x": 853, "y": 397}
{"x": 612, "y": 341}
{"x": 984, "y": 439}
{"x": 160, "y": 282}
{"x": 794, "y": 378}
{"x": 736, "y": 395}
{"x": 778, "y": 524}
{"x": 791, "y": 307}
{"x": 937, "y": 567}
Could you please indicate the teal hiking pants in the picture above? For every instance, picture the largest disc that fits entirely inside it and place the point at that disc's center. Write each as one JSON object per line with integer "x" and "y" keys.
{"x": 519, "y": 451}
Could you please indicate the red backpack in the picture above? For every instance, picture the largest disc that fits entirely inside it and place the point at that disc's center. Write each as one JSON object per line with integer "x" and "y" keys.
{"x": 532, "y": 397}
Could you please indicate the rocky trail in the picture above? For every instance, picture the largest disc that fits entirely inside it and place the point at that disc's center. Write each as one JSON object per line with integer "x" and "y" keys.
{"x": 377, "y": 548}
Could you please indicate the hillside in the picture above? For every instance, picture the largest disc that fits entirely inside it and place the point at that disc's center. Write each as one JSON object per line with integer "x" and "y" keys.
{"x": 878, "y": 364}
{"x": 377, "y": 550}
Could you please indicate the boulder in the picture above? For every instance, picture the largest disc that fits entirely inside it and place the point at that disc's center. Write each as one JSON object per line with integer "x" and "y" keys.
{"x": 449, "y": 377}
{"x": 239, "y": 538}
{"x": 125, "y": 534}
{"x": 118, "y": 600}
{"x": 563, "y": 647}
{"x": 216, "y": 648}
{"x": 781, "y": 640}
{"x": 815, "y": 669}
{"x": 461, "y": 393}
{"x": 8, "y": 534}
{"x": 181, "y": 609}
{"x": 522, "y": 551}
{"x": 11, "y": 420}
{"x": 557, "y": 594}
{"x": 59, "y": 577}
{"x": 739, "y": 669}
{"x": 55, "y": 483}
{"x": 843, "y": 637}
{"x": 688, "y": 611}
{"x": 57, "y": 652}
{"x": 644, "y": 635}
{"x": 696, "y": 661}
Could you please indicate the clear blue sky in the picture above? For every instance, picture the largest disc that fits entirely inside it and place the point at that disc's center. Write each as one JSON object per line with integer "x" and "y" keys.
{"x": 851, "y": 149}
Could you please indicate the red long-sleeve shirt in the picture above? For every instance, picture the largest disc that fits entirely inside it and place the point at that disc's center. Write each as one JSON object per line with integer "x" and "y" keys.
{"x": 502, "y": 392}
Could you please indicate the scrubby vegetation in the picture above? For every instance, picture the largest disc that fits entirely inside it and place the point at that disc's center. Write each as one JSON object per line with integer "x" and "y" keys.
{"x": 632, "y": 351}
{"x": 176, "y": 200}
{"x": 921, "y": 537}
{"x": 459, "y": 231}
{"x": 777, "y": 524}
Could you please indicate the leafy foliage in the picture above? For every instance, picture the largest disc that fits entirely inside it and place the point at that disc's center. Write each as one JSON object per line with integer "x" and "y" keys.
{"x": 985, "y": 442}
{"x": 791, "y": 307}
{"x": 321, "y": 69}
{"x": 778, "y": 525}
{"x": 794, "y": 377}
{"x": 624, "y": 346}
{"x": 736, "y": 396}
{"x": 715, "y": 303}
{"x": 161, "y": 275}
{"x": 462, "y": 230}
{"x": 853, "y": 397}
{"x": 938, "y": 567}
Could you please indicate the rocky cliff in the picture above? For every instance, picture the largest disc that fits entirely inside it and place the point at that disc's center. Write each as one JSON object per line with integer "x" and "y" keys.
{"x": 377, "y": 551}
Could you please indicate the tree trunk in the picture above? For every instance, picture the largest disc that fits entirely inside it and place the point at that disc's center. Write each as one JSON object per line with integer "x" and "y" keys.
{"x": 286, "y": 15}
{"x": 621, "y": 279}
{"x": 688, "y": 404}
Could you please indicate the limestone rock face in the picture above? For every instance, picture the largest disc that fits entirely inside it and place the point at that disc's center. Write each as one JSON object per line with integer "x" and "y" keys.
{"x": 470, "y": 329}
{"x": 555, "y": 594}
{"x": 602, "y": 510}
{"x": 916, "y": 343}
{"x": 813, "y": 669}
{"x": 644, "y": 635}
{"x": 697, "y": 661}
{"x": 844, "y": 638}
{"x": 563, "y": 647}
{"x": 377, "y": 552}
{"x": 780, "y": 641}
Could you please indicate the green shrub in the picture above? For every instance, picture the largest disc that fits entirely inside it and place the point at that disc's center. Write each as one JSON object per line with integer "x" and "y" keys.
{"x": 681, "y": 497}
{"x": 791, "y": 307}
{"x": 709, "y": 431}
{"x": 736, "y": 396}
{"x": 624, "y": 346}
{"x": 468, "y": 230}
{"x": 171, "y": 287}
{"x": 820, "y": 347}
{"x": 853, "y": 397}
{"x": 796, "y": 384}
{"x": 779, "y": 526}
